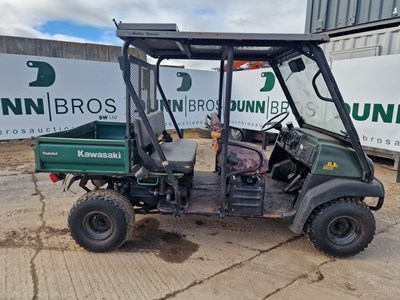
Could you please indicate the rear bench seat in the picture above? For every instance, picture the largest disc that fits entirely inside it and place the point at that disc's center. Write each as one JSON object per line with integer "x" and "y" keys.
{"x": 181, "y": 154}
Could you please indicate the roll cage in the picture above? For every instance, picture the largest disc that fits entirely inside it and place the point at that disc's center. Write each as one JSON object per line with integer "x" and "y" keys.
{"x": 165, "y": 41}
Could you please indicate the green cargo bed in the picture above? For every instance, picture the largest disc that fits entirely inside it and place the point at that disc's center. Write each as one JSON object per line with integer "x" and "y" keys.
{"x": 93, "y": 148}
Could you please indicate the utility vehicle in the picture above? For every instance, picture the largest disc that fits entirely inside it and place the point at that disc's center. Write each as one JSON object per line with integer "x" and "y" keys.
{"x": 316, "y": 179}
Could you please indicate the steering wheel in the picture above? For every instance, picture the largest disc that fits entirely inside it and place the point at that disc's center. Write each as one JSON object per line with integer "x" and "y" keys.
{"x": 285, "y": 114}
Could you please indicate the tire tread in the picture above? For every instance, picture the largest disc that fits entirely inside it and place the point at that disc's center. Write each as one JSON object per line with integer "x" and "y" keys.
{"x": 113, "y": 198}
{"x": 319, "y": 212}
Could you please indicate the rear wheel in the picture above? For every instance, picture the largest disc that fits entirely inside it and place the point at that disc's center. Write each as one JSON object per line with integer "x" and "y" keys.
{"x": 101, "y": 220}
{"x": 341, "y": 228}
{"x": 236, "y": 135}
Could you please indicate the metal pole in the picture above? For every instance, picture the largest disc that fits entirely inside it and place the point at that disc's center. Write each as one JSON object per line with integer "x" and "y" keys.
{"x": 220, "y": 90}
{"x": 124, "y": 64}
{"x": 398, "y": 167}
{"x": 264, "y": 140}
{"x": 221, "y": 86}
{"x": 225, "y": 129}
{"x": 166, "y": 104}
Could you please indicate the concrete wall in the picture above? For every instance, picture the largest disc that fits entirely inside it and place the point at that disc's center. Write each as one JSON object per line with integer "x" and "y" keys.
{"x": 61, "y": 49}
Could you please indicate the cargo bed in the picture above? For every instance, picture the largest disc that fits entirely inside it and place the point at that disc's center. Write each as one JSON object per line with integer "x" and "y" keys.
{"x": 93, "y": 148}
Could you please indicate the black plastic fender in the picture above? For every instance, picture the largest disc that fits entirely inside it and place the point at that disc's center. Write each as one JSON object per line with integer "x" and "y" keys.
{"x": 330, "y": 190}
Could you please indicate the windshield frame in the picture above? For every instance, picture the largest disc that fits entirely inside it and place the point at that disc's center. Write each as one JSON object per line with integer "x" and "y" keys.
{"x": 311, "y": 51}
{"x": 351, "y": 139}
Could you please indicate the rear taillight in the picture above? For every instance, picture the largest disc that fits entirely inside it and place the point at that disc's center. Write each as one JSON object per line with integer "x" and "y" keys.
{"x": 54, "y": 177}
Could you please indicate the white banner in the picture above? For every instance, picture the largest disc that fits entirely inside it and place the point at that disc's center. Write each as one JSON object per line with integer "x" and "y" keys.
{"x": 370, "y": 88}
{"x": 256, "y": 97}
{"x": 43, "y": 95}
{"x": 192, "y": 94}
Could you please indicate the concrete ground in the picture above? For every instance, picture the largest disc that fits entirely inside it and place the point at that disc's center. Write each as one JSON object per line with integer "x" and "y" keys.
{"x": 178, "y": 258}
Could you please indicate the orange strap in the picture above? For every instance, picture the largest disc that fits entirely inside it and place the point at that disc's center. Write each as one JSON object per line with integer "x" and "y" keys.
{"x": 216, "y": 135}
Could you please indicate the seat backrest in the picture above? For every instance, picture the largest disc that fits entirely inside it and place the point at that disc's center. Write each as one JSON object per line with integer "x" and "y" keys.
{"x": 157, "y": 122}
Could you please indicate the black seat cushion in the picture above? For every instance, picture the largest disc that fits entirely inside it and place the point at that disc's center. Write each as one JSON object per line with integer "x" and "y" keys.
{"x": 181, "y": 154}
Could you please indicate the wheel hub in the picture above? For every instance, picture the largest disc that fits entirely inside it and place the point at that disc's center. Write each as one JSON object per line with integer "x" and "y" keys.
{"x": 343, "y": 230}
{"x": 98, "y": 225}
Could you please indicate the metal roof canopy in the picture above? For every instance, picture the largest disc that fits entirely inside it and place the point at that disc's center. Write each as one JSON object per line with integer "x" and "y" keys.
{"x": 165, "y": 40}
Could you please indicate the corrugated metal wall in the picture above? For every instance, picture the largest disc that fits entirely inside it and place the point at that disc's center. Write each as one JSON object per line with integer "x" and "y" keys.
{"x": 327, "y": 15}
{"x": 61, "y": 49}
{"x": 364, "y": 44}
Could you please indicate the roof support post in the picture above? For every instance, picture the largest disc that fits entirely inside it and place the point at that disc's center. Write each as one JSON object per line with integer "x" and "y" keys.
{"x": 220, "y": 92}
{"x": 166, "y": 104}
{"x": 221, "y": 86}
{"x": 124, "y": 65}
{"x": 225, "y": 129}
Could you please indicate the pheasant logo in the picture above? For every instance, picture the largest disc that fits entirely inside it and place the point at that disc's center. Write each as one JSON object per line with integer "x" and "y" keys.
{"x": 269, "y": 82}
{"x": 186, "y": 82}
{"x": 45, "y": 74}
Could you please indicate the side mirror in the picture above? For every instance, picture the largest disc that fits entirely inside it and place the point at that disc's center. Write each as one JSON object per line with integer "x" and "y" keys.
{"x": 296, "y": 65}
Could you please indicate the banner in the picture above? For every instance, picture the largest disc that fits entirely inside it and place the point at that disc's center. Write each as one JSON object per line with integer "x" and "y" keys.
{"x": 370, "y": 88}
{"x": 43, "y": 95}
{"x": 256, "y": 97}
{"x": 192, "y": 95}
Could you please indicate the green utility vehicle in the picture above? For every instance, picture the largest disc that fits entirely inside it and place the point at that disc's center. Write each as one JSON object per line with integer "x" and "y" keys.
{"x": 316, "y": 178}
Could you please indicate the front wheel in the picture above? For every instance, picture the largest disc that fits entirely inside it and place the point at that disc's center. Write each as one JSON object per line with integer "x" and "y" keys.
{"x": 341, "y": 228}
{"x": 101, "y": 220}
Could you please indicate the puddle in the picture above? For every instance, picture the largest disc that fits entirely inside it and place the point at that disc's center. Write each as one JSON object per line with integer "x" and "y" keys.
{"x": 170, "y": 246}
{"x": 200, "y": 222}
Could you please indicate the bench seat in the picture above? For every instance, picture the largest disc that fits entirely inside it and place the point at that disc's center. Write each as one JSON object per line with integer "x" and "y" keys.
{"x": 181, "y": 154}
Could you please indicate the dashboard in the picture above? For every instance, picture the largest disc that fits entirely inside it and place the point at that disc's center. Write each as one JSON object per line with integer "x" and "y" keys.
{"x": 297, "y": 145}
{"x": 322, "y": 154}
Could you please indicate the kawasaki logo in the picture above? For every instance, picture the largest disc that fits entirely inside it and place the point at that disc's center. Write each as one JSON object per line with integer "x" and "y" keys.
{"x": 108, "y": 155}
